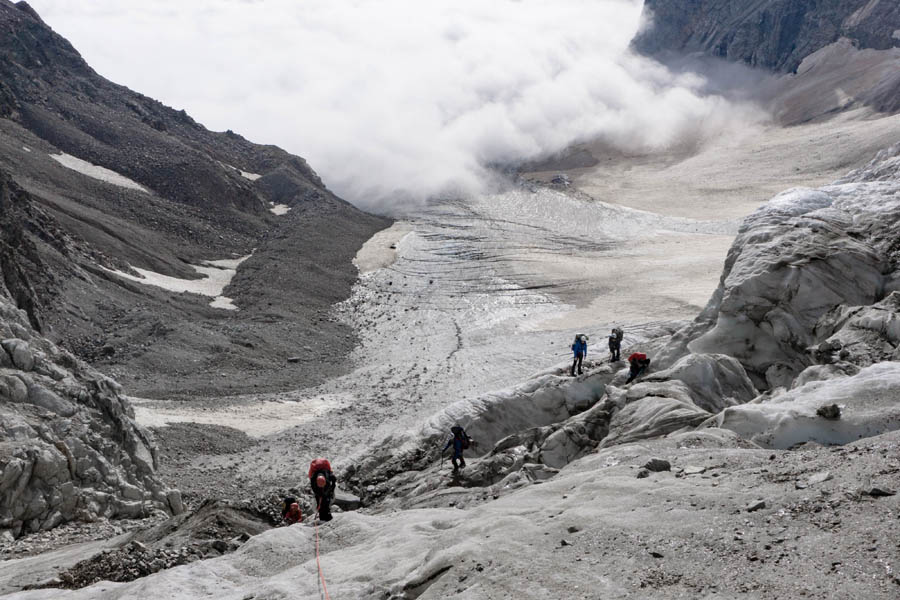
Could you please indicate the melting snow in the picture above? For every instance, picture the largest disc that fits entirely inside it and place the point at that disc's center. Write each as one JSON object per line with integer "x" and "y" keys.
{"x": 97, "y": 172}
{"x": 279, "y": 209}
{"x": 244, "y": 174}
{"x": 218, "y": 274}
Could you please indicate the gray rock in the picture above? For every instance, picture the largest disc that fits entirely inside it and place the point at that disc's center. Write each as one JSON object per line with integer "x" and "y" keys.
{"x": 40, "y": 396}
{"x": 346, "y": 500}
{"x": 819, "y": 478}
{"x": 642, "y": 474}
{"x": 832, "y": 412}
{"x": 13, "y": 389}
{"x": 689, "y": 470}
{"x": 173, "y": 497}
{"x": 20, "y": 353}
{"x": 757, "y": 505}
{"x": 657, "y": 465}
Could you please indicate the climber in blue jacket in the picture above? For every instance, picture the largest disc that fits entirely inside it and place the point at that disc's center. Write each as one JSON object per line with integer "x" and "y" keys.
{"x": 580, "y": 350}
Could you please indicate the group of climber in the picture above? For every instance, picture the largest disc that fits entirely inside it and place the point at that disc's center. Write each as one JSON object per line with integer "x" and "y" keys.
{"x": 638, "y": 362}
{"x": 322, "y": 482}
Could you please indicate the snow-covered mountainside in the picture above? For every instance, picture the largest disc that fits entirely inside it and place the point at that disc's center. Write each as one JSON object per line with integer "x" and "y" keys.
{"x": 589, "y": 486}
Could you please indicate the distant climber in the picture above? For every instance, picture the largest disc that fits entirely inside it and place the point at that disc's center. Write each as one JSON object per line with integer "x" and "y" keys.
{"x": 579, "y": 348}
{"x": 322, "y": 481}
{"x": 290, "y": 511}
{"x": 615, "y": 344}
{"x": 460, "y": 441}
{"x": 638, "y": 364}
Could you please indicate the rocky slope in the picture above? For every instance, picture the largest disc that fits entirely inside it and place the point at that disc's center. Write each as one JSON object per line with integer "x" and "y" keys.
{"x": 773, "y": 34}
{"x": 106, "y": 178}
{"x": 69, "y": 447}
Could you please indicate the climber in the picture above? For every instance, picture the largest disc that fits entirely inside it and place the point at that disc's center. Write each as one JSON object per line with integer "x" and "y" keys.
{"x": 460, "y": 441}
{"x": 290, "y": 511}
{"x": 615, "y": 344}
{"x": 637, "y": 363}
{"x": 322, "y": 481}
{"x": 580, "y": 350}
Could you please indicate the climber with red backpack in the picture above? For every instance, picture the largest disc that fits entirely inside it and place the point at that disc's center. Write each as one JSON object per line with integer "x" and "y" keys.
{"x": 323, "y": 482}
{"x": 637, "y": 364}
{"x": 290, "y": 511}
{"x": 460, "y": 441}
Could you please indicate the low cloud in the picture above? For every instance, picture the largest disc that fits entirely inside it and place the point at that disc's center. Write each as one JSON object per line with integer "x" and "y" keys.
{"x": 397, "y": 101}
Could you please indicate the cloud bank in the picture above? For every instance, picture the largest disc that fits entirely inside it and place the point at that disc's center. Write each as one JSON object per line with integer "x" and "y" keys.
{"x": 398, "y": 101}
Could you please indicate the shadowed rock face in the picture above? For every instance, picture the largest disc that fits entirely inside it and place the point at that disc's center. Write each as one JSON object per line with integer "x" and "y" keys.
{"x": 69, "y": 447}
{"x": 773, "y": 34}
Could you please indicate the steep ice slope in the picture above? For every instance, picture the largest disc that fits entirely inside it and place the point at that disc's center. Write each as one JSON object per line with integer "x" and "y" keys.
{"x": 802, "y": 255}
{"x": 69, "y": 446}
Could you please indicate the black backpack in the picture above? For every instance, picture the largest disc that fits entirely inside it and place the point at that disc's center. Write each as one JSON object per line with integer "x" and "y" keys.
{"x": 459, "y": 432}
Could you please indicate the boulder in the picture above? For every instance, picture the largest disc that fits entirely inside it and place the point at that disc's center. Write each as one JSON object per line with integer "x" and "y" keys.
{"x": 40, "y": 396}
{"x": 346, "y": 500}
{"x": 20, "y": 353}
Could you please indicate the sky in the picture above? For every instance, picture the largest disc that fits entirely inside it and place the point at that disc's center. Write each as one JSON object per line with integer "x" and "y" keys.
{"x": 394, "y": 102}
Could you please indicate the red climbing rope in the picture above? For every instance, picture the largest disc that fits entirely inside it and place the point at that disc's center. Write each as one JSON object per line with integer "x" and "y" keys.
{"x": 318, "y": 563}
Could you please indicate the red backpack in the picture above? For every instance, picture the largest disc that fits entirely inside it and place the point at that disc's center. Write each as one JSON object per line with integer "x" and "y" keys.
{"x": 320, "y": 464}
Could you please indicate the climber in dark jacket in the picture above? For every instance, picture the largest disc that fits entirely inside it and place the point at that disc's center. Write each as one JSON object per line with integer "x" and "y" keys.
{"x": 460, "y": 441}
{"x": 579, "y": 348}
{"x": 322, "y": 481}
{"x": 615, "y": 345}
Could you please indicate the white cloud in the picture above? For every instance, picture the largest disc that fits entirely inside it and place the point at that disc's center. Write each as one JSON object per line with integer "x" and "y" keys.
{"x": 398, "y": 99}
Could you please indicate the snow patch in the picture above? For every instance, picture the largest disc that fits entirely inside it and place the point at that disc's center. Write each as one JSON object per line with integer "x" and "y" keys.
{"x": 244, "y": 174}
{"x": 218, "y": 274}
{"x": 97, "y": 172}
{"x": 279, "y": 209}
{"x": 26, "y": 148}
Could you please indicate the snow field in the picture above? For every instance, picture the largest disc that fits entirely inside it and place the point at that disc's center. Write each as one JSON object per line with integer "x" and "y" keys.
{"x": 217, "y": 275}
{"x": 96, "y": 172}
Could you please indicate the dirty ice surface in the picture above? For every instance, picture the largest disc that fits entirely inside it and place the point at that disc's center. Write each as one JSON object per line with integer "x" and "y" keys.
{"x": 466, "y": 297}
{"x": 279, "y": 209}
{"x": 97, "y": 172}
{"x": 217, "y": 276}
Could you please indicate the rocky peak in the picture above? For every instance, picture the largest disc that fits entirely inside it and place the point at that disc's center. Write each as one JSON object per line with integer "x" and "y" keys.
{"x": 773, "y": 34}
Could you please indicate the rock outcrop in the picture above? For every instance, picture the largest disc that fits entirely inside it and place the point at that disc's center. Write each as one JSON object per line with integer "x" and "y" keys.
{"x": 69, "y": 446}
{"x": 773, "y": 34}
